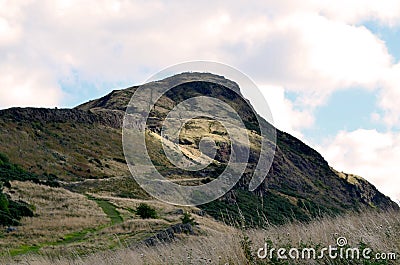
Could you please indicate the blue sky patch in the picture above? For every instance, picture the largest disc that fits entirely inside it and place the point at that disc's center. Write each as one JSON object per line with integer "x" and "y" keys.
{"x": 348, "y": 110}
{"x": 390, "y": 35}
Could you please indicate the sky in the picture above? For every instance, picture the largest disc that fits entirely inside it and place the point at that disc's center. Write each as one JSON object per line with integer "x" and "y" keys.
{"x": 330, "y": 70}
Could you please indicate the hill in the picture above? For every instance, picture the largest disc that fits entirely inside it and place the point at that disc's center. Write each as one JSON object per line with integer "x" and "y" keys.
{"x": 81, "y": 150}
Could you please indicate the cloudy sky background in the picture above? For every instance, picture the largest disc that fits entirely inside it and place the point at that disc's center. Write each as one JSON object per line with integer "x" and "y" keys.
{"x": 330, "y": 70}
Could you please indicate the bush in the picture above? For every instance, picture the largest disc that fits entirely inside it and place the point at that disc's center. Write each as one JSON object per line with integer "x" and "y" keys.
{"x": 20, "y": 208}
{"x": 3, "y": 203}
{"x": 4, "y": 159}
{"x": 12, "y": 211}
{"x": 145, "y": 211}
{"x": 188, "y": 219}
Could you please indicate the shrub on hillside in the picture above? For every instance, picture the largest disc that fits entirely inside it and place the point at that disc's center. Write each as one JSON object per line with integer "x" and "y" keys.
{"x": 188, "y": 219}
{"x": 12, "y": 211}
{"x": 145, "y": 211}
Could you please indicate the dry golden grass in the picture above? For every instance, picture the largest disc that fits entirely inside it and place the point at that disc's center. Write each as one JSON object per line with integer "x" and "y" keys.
{"x": 377, "y": 230}
{"x": 67, "y": 222}
{"x": 221, "y": 244}
{"x": 196, "y": 251}
{"x": 57, "y": 213}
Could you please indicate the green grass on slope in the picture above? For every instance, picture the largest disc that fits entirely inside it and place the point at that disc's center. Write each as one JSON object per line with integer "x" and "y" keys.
{"x": 109, "y": 209}
{"x": 254, "y": 211}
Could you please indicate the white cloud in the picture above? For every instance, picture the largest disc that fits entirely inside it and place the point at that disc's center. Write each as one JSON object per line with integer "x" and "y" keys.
{"x": 389, "y": 95}
{"x": 310, "y": 54}
{"x": 370, "y": 154}
{"x": 284, "y": 114}
{"x": 356, "y": 11}
{"x": 28, "y": 88}
{"x": 347, "y": 55}
{"x": 275, "y": 41}
{"x": 8, "y": 33}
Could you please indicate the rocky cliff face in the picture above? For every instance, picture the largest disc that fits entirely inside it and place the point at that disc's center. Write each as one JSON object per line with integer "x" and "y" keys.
{"x": 109, "y": 118}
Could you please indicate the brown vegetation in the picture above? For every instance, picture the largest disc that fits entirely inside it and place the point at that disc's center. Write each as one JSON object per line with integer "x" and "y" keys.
{"x": 221, "y": 244}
